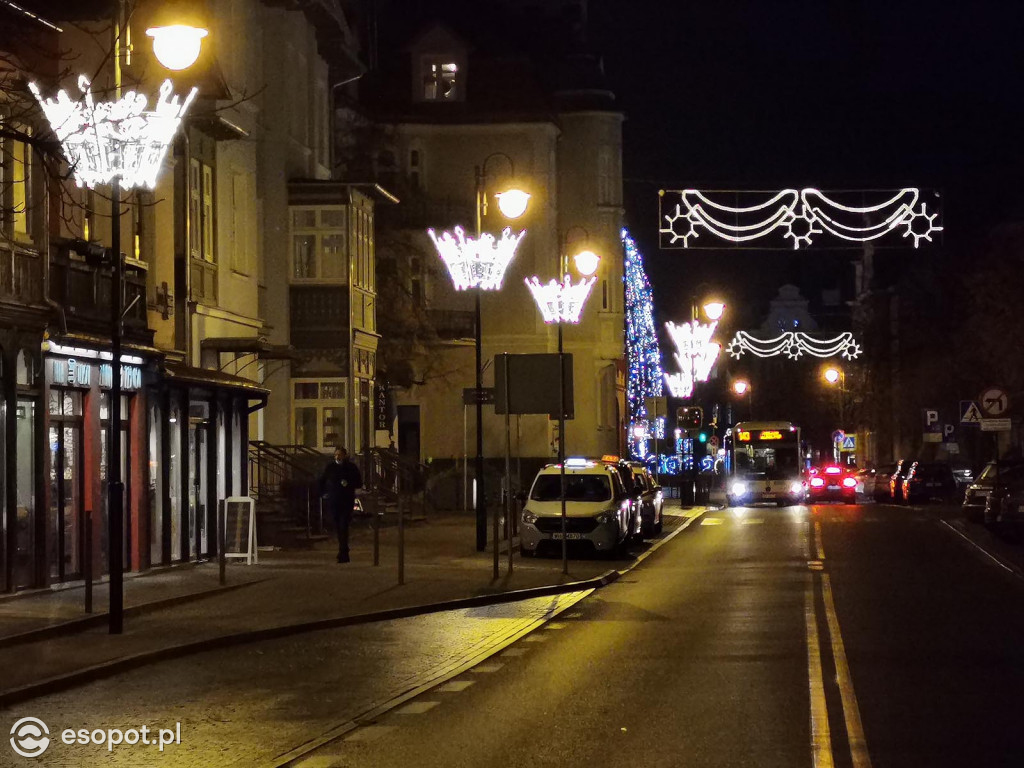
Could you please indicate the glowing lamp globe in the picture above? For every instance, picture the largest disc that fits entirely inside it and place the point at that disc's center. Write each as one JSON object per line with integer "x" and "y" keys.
{"x": 714, "y": 310}
{"x": 832, "y": 375}
{"x": 512, "y": 203}
{"x": 740, "y": 387}
{"x": 586, "y": 262}
{"x": 177, "y": 46}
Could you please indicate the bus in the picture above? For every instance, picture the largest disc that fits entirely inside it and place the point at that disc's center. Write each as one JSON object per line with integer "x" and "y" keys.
{"x": 764, "y": 463}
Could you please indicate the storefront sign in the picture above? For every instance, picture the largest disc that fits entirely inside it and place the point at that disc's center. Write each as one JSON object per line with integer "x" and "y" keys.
{"x": 382, "y": 407}
{"x": 77, "y": 373}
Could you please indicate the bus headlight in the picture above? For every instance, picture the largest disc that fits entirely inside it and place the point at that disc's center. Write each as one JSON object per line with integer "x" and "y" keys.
{"x": 796, "y": 488}
{"x": 738, "y": 488}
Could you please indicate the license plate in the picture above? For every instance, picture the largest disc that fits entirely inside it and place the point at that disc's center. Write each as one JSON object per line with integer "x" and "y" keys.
{"x": 769, "y": 494}
{"x": 570, "y": 536}
{"x": 833, "y": 487}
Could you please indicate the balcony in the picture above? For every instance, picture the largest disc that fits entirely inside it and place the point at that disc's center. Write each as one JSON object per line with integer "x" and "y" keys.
{"x": 21, "y": 276}
{"x": 319, "y": 316}
{"x": 84, "y": 291}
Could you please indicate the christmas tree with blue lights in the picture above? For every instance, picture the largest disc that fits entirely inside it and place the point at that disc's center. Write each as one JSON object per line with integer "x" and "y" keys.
{"x": 643, "y": 355}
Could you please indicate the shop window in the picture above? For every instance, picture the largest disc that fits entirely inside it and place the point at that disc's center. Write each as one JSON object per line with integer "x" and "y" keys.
{"x": 156, "y": 484}
{"x": 174, "y": 478}
{"x": 25, "y": 516}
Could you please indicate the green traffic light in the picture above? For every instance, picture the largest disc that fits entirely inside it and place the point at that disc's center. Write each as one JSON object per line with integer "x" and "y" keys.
{"x": 703, "y": 437}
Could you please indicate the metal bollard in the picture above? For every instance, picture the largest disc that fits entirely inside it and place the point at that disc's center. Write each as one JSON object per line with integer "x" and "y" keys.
{"x": 87, "y": 561}
{"x": 376, "y": 529}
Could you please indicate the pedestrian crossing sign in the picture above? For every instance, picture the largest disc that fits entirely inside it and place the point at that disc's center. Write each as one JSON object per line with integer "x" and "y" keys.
{"x": 849, "y": 443}
{"x": 970, "y": 413}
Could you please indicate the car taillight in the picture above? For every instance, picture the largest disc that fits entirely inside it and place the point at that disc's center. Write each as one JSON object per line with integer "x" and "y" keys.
{"x": 817, "y": 482}
{"x": 849, "y": 482}
{"x": 832, "y": 470}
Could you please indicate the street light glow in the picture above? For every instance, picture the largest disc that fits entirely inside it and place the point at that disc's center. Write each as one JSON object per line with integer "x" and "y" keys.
{"x": 512, "y": 203}
{"x": 832, "y": 375}
{"x": 714, "y": 310}
{"x": 177, "y": 45}
{"x": 586, "y": 262}
{"x": 740, "y": 387}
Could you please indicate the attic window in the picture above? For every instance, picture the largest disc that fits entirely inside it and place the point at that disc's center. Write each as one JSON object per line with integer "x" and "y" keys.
{"x": 439, "y": 80}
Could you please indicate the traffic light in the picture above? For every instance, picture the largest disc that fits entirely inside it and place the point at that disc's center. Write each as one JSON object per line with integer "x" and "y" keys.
{"x": 703, "y": 437}
{"x": 690, "y": 418}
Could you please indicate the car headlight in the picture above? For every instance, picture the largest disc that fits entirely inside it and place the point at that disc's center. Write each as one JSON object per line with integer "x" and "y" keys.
{"x": 796, "y": 487}
{"x": 738, "y": 489}
{"x": 529, "y": 518}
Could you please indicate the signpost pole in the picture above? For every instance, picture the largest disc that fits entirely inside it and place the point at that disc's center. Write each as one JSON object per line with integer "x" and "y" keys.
{"x": 508, "y": 469}
{"x": 561, "y": 448}
{"x": 222, "y": 538}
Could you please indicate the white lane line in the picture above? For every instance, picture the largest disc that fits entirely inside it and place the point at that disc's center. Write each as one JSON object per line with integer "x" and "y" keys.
{"x": 555, "y": 625}
{"x": 492, "y": 667}
{"x": 417, "y": 707}
{"x": 371, "y": 733}
{"x": 711, "y": 521}
{"x": 819, "y": 546}
{"x": 981, "y": 549}
{"x": 752, "y": 521}
{"x": 513, "y": 652}
{"x": 851, "y": 712}
{"x": 535, "y": 638}
{"x": 455, "y": 686}
{"x": 821, "y": 739}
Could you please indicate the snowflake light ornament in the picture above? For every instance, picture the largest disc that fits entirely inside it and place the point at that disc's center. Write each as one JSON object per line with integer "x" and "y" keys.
{"x": 921, "y": 219}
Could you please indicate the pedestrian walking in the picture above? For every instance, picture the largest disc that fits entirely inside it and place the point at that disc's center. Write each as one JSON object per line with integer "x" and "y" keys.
{"x": 338, "y": 485}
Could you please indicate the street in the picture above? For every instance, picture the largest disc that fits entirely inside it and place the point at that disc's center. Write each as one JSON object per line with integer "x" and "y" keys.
{"x": 698, "y": 656}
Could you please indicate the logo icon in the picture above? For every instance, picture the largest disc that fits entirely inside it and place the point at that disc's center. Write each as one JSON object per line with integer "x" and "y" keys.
{"x": 30, "y": 737}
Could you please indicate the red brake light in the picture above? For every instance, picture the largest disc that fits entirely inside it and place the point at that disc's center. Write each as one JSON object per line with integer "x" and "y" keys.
{"x": 850, "y": 482}
{"x": 833, "y": 470}
{"x": 817, "y": 482}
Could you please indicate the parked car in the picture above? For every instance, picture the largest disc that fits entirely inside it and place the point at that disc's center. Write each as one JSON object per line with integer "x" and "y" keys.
{"x": 927, "y": 481}
{"x": 896, "y": 479}
{"x": 978, "y": 492}
{"x": 651, "y": 500}
{"x": 634, "y": 490}
{"x": 964, "y": 476}
{"x": 876, "y": 483}
{"x": 832, "y": 482}
{"x": 1002, "y": 511}
{"x": 597, "y": 508}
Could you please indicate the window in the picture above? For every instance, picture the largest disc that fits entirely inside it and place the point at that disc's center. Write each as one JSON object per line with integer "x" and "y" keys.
{"x": 201, "y": 211}
{"x": 319, "y": 412}
{"x": 439, "y": 80}
{"x": 242, "y": 225}
{"x": 318, "y": 245}
{"x": 20, "y": 175}
{"x": 606, "y": 177}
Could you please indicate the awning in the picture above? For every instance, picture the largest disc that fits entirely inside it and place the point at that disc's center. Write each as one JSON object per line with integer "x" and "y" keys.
{"x": 252, "y": 345}
{"x": 186, "y": 375}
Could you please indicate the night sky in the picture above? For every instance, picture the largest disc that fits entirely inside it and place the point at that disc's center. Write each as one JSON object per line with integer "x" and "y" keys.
{"x": 838, "y": 95}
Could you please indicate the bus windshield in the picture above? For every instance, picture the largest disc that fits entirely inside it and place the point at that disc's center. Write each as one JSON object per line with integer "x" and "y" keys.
{"x": 766, "y": 451}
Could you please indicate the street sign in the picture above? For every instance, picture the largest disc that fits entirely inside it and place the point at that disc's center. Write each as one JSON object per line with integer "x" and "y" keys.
{"x": 837, "y": 436}
{"x": 970, "y": 413}
{"x": 932, "y": 437}
{"x": 949, "y": 433}
{"x": 931, "y": 420}
{"x": 994, "y": 402}
{"x": 995, "y": 425}
{"x": 656, "y": 407}
{"x": 849, "y": 443}
{"x": 485, "y": 395}
{"x": 713, "y": 442}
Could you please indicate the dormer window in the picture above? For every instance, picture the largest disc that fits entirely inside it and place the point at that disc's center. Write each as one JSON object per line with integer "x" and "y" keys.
{"x": 440, "y": 80}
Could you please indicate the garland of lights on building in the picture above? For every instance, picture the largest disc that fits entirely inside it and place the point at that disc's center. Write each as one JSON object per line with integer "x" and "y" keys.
{"x": 794, "y": 345}
{"x": 643, "y": 355}
{"x": 801, "y": 217}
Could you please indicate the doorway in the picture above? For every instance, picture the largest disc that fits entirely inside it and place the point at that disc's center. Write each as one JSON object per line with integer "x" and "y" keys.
{"x": 409, "y": 432}
{"x": 67, "y": 486}
{"x": 198, "y": 431}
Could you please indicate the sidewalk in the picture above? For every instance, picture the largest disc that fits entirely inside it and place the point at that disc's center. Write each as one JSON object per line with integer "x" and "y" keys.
{"x": 286, "y": 588}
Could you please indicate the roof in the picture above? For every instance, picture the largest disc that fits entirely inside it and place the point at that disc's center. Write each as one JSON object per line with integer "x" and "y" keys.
{"x": 178, "y": 373}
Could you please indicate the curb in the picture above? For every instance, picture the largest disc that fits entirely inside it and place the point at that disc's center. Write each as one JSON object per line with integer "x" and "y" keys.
{"x": 105, "y": 669}
{"x": 73, "y": 626}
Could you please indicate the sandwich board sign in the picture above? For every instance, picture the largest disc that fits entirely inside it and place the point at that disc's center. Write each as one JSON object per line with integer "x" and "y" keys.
{"x": 240, "y": 528}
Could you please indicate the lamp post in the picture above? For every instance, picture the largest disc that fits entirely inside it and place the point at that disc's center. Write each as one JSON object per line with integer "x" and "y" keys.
{"x": 742, "y": 387}
{"x": 562, "y": 302}
{"x": 837, "y": 377}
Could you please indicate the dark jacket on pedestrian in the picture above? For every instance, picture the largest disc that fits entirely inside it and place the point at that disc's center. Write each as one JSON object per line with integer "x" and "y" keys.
{"x": 339, "y": 482}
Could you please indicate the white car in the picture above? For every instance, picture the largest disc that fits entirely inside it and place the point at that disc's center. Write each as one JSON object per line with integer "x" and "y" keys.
{"x": 597, "y": 509}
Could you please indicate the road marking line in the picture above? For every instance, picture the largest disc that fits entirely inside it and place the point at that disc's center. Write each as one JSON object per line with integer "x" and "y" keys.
{"x": 819, "y": 547}
{"x": 318, "y": 761}
{"x": 981, "y": 549}
{"x": 456, "y": 686}
{"x": 535, "y": 638}
{"x": 851, "y": 712}
{"x": 752, "y": 521}
{"x": 417, "y": 707}
{"x": 493, "y": 667}
{"x": 513, "y": 652}
{"x": 821, "y": 739}
{"x": 555, "y": 625}
{"x": 711, "y": 521}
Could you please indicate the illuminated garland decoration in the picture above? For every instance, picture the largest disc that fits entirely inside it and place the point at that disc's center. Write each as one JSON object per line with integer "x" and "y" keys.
{"x": 695, "y": 353}
{"x": 476, "y": 263}
{"x": 644, "y": 377}
{"x": 560, "y": 302}
{"x": 794, "y": 344}
{"x": 108, "y": 139}
{"x": 799, "y": 215}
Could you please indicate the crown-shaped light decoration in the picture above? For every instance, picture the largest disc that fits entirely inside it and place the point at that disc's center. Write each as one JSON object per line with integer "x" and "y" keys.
{"x": 108, "y": 139}
{"x": 476, "y": 262}
{"x": 561, "y": 303}
{"x": 696, "y": 354}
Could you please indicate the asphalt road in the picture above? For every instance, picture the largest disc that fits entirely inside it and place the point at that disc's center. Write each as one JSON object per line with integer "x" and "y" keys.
{"x": 701, "y": 658}
{"x": 825, "y": 636}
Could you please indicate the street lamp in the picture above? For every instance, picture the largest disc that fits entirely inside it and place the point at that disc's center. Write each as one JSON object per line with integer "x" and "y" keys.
{"x": 837, "y": 376}
{"x": 562, "y": 302}
{"x": 714, "y": 310}
{"x": 98, "y": 140}
{"x": 742, "y": 387}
